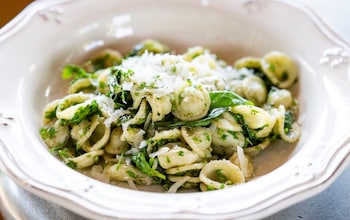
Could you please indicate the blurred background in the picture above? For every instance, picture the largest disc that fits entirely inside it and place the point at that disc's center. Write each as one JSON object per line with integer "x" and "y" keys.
{"x": 332, "y": 12}
{"x": 9, "y": 9}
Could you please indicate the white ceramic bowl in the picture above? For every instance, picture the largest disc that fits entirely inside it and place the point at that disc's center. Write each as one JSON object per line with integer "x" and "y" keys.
{"x": 48, "y": 34}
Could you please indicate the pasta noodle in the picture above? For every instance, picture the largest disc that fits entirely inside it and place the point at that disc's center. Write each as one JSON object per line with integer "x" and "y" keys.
{"x": 182, "y": 121}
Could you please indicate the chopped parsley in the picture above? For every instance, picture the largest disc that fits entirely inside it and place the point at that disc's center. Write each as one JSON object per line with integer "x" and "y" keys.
{"x": 48, "y": 133}
{"x": 75, "y": 72}
{"x": 132, "y": 174}
{"x": 84, "y": 112}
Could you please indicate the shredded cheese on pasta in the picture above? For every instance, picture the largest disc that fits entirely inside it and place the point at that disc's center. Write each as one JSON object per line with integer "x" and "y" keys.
{"x": 177, "y": 120}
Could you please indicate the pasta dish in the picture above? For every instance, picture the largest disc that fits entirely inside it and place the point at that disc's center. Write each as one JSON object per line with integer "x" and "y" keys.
{"x": 181, "y": 121}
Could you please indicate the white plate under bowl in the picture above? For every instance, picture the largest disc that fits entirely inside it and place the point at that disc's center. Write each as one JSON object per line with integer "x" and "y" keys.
{"x": 48, "y": 34}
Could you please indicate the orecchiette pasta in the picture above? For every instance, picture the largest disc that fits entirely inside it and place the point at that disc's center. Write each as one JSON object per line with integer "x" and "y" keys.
{"x": 125, "y": 173}
{"x": 253, "y": 116}
{"x": 280, "y": 69}
{"x": 186, "y": 168}
{"x": 218, "y": 174}
{"x": 255, "y": 89}
{"x": 69, "y": 105}
{"x": 57, "y": 134}
{"x": 115, "y": 145}
{"x": 182, "y": 121}
{"x": 161, "y": 106}
{"x": 225, "y": 142}
{"x": 248, "y": 62}
{"x": 255, "y": 150}
{"x": 177, "y": 156}
{"x": 243, "y": 161}
{"x": 86, "y": 159}
{"x": 191, "y": 103}
{"x": 132, "y": 136}
{"x": 82, "y": 131}
{"x": 289, "y": 134}
{"x": 277, "y": 97}
{"x": 81, "y": 85}
{"x": 199, "y": 139}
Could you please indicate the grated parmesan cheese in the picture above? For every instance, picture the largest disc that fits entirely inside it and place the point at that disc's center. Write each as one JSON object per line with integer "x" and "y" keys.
{"x": 156, "y": 73}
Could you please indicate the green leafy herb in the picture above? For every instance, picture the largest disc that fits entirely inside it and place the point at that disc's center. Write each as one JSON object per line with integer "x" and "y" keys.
{"x": 221, "y": 177}
{"x": 285, "y": 76}
{"x": 196, "y": 139}
{"x": 143, "y": 165}
{"x": 75, "y": 72}
{"x": 223, "y": 99}
{"x": 198, "y": 123}
{"x": 71, "y": 164}
{"x": 121, "y": 97}
{"x": 207, "y": 136}
{"x": 250, "y": 134}
{"x": 50, "y": 114}
{"x": 48, "y": 133}
{"x": 288, "y": 121}
{"x": 220, "y": 101}
{"x": 222, "y": 134}
{"x": 210, "y": 188}
{"x": 56, "y": 148}
{"x": 121, "y": 74}
{"x": 84, "y": 112}
{"x": 132, "y": 174}
{"x": 120, "y": 159}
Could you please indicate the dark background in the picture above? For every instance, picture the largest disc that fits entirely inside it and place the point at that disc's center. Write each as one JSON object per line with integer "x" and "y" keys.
{"x": 9, "y": 9}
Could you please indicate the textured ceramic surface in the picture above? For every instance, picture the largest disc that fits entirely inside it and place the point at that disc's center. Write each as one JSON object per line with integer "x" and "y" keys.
{"x": 48, "y": 34}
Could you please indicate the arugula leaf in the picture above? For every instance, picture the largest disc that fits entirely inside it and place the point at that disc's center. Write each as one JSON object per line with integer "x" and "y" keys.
{"x": 121, "y": 97}
{"x": 226, "y": 99}
{"x": 250, "y": 135}
{"x": 220, "y": 101}
{"x": 143, "y": 165}
{"x": 84, "y": 112}
{"x": 198, "y": 123}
